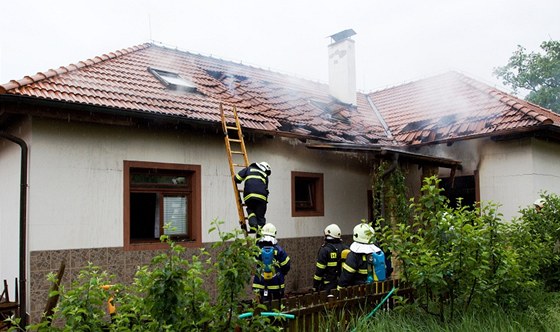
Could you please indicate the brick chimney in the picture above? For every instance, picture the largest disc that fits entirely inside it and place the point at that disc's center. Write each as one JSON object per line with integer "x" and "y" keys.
{"x": 342, "y": 67}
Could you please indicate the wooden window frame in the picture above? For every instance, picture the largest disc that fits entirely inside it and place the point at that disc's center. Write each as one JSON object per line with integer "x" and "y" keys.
{"x": 319, "y": 194}
{"x": 194, "y": 204}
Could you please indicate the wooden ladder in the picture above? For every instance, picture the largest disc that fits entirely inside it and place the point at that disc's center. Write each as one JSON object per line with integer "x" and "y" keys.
{"x": 233, "y": 136}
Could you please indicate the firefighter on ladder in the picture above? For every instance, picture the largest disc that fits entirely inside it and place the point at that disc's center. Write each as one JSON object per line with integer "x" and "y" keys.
{"x": 255, "y": 192}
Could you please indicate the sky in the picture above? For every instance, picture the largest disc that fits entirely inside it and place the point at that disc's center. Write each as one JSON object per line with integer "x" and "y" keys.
{"x": 397, "y": 41}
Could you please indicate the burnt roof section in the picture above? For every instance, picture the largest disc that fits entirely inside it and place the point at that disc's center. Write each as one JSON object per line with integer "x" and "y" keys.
{"x": 442, "y": 108}
{"x": 265, "y": 100}
{"x": 451, "y": 107}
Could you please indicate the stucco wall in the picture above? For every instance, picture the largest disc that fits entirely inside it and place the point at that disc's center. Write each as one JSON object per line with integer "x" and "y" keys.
{"x": 511, "y": 173}
{"x": 76, "y": 194}
{"x": 514, "y": 172}
{"x": 10, "y": 166}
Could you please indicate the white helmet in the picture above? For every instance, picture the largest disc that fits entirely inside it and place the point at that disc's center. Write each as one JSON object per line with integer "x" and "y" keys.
{"x": 539, "y": 202}
{"x": 269, "y": 229}
{"x": 363, "y": 233}
{"x": 265, "y": 167}
{"x": 333, "y": 231}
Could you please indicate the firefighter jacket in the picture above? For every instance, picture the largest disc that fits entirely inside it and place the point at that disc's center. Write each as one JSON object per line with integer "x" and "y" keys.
{"x": 354, "y": 270}
{"x": 329, "y": 262}
{"x": 256, "y": 182}
{"x": 281, "y": 266}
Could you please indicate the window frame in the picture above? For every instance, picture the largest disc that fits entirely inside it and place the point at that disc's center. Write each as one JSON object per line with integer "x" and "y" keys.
{"x": 193, "y": 196}
{"x": 317, "y": 180}
{"x": 172, "y": 80}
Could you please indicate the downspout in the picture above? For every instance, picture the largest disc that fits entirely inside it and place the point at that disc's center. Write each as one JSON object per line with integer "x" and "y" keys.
{"x": 387, "y": 172}
{"x": 22, "y": 226}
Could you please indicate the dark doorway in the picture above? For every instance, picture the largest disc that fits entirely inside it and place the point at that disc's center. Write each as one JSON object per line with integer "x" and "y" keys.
{"x": 462, "y": 186}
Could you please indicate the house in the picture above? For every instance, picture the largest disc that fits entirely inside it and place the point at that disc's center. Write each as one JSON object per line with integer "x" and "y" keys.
{"x": 122, "y": 142}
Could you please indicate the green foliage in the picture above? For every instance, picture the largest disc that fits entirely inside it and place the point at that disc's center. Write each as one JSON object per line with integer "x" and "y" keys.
{"x": 169, "y": 294}
{"x": 390, "y": 200}
{"x": 542, "y": 316}
{"x": 538, "y": 73}
{"x": 453, "y": 256}
{"x": 535, "y": 237}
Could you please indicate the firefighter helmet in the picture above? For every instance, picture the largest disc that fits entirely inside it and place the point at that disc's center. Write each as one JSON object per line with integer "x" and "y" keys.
{"x": 363, "y": 233}
{"x": 264, "y": 166}
{"x": 269, "y": 229}
{"x": 333, "y": 230}
{"x": 539, "y": 203}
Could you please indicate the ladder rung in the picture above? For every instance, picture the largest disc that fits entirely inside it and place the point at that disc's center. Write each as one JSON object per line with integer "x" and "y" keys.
{"x": 234, "y": 140}
{"x": 237, "y": 152}
{"x": 230, "y": 127}
{"x": 239, "y": 165}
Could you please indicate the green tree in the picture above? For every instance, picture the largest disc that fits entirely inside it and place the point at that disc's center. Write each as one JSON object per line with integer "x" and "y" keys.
{"x": 539, "y": 73}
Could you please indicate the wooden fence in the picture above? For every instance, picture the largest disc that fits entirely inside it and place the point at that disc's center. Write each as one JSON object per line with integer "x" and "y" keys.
{"x": 315, "y": 311}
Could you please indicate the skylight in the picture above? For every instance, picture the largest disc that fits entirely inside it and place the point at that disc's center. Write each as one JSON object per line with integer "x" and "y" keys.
{"x": 172, "y": 80}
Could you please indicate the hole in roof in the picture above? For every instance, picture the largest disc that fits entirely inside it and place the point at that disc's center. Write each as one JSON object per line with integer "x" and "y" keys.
{"x": 330, "y": 110}
{"x": 172, "y": 80}
{"x": 220, "y": 75}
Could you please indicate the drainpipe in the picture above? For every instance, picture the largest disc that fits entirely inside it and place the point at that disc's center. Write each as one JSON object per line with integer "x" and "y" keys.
{"x": 387, "y": 172}
{"x": 22, "y": 226}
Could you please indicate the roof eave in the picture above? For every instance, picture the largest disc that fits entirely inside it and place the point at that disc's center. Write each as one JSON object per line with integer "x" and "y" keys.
{"x": 386, "y": 152}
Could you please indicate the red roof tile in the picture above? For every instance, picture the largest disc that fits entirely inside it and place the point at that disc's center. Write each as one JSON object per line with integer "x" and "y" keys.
{"x": 265, "y": 100}
{"x": 444, "y": 107}
{"x": 453, "y": 106}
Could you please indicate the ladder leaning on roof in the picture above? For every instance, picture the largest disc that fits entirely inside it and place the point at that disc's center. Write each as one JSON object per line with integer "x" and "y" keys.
{"x": 234, "y": 136}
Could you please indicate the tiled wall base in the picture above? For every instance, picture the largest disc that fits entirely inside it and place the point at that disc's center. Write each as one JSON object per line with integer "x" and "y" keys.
{"x": 123, "y": 265}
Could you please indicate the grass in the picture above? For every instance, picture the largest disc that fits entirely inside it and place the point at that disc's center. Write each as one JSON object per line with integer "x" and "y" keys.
{"x": 544, "y": 315}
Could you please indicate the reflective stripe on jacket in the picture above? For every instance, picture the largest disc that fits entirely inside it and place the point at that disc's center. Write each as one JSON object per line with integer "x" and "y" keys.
{"x": 328, "y": 266}
{"x": 256, "y": 182}
{"x": 354, "y": 270}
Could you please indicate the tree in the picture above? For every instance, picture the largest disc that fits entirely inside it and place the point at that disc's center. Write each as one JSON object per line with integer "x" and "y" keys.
{"x": 536, "y": 72}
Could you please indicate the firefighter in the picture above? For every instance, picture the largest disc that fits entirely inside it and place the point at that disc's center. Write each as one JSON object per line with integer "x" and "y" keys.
{"x": 539, "y": 204}
{"x": 329, "y": 259}
{"x": 255, "y": 192}
{"x": 358, "y": 264}
{"x": 268, "y": 281}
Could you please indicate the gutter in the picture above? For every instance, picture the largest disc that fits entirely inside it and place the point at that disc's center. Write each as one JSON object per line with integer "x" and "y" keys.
{"x": 22, "y": 226}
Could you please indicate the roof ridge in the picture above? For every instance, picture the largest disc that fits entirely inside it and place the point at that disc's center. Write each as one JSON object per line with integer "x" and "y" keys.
{"x": 13, "y": 84}
{"x": 284, "y": 75}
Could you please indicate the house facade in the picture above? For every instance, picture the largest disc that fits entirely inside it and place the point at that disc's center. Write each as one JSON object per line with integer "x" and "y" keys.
{"x": 127, "y": 141}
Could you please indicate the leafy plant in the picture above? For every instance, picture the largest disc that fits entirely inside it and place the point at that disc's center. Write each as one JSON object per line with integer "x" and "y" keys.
{"x": 539, "y": 73}
{"x": 169, "y": 294}
{"x": 453, "y": 256}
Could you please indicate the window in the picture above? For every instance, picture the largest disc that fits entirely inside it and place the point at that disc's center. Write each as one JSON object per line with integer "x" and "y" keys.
{"x": 172, "y": 80}
{"x": 307, "y": 194}
{"x": 156, "y": 194}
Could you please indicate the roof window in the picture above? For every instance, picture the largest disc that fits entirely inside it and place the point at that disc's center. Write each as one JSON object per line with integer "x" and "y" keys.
{"x": 172, "y": 80}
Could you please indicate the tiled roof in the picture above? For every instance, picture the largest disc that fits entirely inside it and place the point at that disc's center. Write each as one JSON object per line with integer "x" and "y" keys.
{"x": 265, "y": 100}
{"x": 445, "y": 107}
{"x": 452, "y": 106}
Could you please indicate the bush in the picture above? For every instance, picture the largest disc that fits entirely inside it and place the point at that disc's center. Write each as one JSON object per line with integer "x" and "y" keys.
{"x": 169, "y": 294}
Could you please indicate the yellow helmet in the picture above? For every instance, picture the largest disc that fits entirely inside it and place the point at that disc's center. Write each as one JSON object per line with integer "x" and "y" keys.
{"x": 363, "y": 233}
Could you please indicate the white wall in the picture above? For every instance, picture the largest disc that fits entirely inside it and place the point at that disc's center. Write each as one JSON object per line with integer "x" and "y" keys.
{"x": 10, "y": 166}
{"x": 76, "y": 193}
{"x": 514, "y": 172}
{"x": 511, "y": 173}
